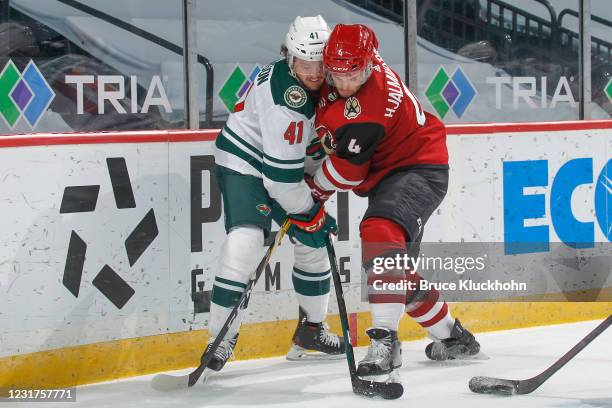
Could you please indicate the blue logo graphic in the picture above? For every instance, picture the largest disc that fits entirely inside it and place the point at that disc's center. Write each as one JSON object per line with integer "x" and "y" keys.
{"x": 445, "y": 92}
{"x": 603, "y": 200}
{"x": 519, "y": 239}
{"x": 24, "y": 94}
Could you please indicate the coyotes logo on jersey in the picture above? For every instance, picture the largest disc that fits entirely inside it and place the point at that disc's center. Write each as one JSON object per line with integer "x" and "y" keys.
{"x": 328, "y": 141}
{"x": 352, "y": 108}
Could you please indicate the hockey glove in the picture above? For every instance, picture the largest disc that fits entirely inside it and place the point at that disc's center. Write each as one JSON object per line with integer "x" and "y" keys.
{"x": 318, "y": 194}
{"x": 312, "y": 228}
{"x": 314, "y": 220}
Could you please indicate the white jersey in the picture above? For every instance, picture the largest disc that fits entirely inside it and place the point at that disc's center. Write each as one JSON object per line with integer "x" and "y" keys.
{"x": 268, "y": 134}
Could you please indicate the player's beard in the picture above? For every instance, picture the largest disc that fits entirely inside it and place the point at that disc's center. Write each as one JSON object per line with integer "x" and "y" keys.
{"x": 312, "y": 83}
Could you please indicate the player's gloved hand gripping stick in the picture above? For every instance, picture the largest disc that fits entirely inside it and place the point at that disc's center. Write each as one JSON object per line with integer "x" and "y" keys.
{"x": 363, "y": 387}
{"x": 167, "y": 382}
{"x": 313, "y": 226}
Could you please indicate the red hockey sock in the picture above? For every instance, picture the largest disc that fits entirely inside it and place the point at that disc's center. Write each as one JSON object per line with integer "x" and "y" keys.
{"x": 381, "y": 238}
{"x": 432, "y": 313}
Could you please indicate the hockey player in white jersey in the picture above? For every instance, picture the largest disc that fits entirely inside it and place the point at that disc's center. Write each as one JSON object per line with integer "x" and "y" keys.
{"x": 261, "y": 159}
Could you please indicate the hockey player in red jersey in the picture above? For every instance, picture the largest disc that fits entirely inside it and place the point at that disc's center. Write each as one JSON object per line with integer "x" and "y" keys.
{"x": 382, "y": 145}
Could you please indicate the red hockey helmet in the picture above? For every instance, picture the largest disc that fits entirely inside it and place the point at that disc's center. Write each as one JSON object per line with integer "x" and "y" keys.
{"x": 350, "y": 48}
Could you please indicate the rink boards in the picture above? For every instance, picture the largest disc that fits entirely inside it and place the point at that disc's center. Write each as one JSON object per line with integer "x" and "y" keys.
{"x": 109, "y": 243}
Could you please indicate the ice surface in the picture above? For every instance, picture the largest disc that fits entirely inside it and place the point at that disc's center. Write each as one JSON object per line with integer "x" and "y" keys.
{"x": 517, "y": 354}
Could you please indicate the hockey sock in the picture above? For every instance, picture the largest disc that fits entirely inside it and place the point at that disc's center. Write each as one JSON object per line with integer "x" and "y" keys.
{"x": 382, "y": 239}
{"x": 386, "y": 315}
{"x": 431, "y": 312}
{"x": 311, "y": 280}
{"x": 239, "y": 256}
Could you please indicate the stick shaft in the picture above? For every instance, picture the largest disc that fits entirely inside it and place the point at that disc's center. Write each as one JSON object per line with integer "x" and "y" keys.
{"x": 244, "y": 298}
{"x": 543, "y": 376}
{"x": 350, "y": 356}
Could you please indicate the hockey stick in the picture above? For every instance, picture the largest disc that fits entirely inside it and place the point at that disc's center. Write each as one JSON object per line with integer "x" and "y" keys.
{"x": 167, "y": 382}
{"x": 360, "y": 386}
{"x": 499, "y": 386}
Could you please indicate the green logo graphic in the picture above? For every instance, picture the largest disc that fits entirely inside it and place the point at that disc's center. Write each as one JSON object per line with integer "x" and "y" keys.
{"x": 23, "y": 94}
{"x": 264, "y": 209}
{"x": 608, "y": 90}
{"x": 236, "y": 85}
{"x": 445, "y": 92}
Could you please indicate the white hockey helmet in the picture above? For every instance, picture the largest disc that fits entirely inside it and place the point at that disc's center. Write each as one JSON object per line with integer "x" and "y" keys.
{"x": 306, "y": 39}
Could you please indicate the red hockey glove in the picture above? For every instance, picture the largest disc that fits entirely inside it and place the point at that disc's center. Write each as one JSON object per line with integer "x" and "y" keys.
{"x": 314, "y": 220}
{"x": 318, "y": 194}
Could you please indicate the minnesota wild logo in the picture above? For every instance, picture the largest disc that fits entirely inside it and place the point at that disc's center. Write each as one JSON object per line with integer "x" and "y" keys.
{"x": 295, "y": 96}
{"x": 264, "y": 209}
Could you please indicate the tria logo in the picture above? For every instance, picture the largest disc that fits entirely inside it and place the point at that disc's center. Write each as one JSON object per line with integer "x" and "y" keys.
{"x": 23, "y": 94}
{"x": 445, "y": 92}
{"x": 112, "y": 89}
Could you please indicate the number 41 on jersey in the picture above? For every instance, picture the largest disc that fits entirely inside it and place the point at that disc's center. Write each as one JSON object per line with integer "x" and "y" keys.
{"x": 294, "y": 131}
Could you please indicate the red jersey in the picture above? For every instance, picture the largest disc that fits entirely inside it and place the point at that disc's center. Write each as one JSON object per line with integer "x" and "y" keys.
{"x": 379, "y": 129}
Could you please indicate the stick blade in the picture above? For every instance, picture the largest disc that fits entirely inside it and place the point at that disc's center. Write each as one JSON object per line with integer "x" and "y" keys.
{"x": 167, "y": 382}
{"x": 490, "y": 385}
{"x": 386, "y": 390}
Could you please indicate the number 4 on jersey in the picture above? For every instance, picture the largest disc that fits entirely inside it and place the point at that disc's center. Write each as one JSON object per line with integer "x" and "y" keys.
{"x": 294, "y": 131}
{"x": 353, "y": 147}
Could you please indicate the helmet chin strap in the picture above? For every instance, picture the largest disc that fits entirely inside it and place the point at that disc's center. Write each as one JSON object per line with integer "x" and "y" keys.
{"x": 290, "y": 59}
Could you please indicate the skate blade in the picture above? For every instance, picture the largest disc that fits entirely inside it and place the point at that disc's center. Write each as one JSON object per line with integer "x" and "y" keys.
{"x": 441, "y": 355}
{"x": 458, "y": 361}
{"x": 467, "y": 357}
{"x": 392, "y": 377}
{"x": 298, "y": 353}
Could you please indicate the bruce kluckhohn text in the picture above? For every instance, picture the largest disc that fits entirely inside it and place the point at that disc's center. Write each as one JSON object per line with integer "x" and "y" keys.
{"x": 464, "y": 284}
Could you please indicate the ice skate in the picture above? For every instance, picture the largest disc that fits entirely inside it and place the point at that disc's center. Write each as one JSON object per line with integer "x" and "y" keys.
{"x": 223, "y": 353}
{"x": 384, "y": 356}
{"x": 314, "y": 341}
{"x": 461, "y": 345}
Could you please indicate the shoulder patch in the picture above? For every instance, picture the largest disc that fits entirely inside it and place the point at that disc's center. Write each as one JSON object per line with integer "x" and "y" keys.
{"x": 357, "y": 142}
{"x": 352, "y": 108}
{"x": 287, "y": 91}
{"x": 295, "y": 96}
